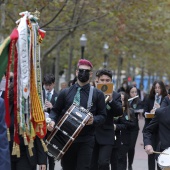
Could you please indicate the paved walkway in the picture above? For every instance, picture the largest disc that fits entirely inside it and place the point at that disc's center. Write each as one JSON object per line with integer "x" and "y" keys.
{"x": 140, "y": 161}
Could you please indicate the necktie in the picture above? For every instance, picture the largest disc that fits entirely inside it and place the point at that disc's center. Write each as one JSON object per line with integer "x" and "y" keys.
{"x": 157, "y": 99}
{"x": 77, "y": 97}
{"x": 48, "y": 97}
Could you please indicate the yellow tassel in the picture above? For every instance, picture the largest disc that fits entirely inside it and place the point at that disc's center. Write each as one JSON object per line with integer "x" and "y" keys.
{"x": 17, "y": 151}
{"x": 31, "y": 144}
{"x": 14, "y": 149}
{"x": 27, "y": 132}
{"x": 32, "y": 131}
{"x": 20, "y": 131}
{"x": 8, "y": 134}
{"x": 25, "y": 139}
{"x": 30, "y": 151}
{"x": 44, "y": 145}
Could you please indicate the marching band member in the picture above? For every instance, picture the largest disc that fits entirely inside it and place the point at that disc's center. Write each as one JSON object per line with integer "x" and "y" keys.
{"x": 123, "y": 126}
{"x": 78, "y": 156}
{"x": 159, "y": 124}
{"x": 154, "y": 100}
{"x": 49, "y": 96}
{"x": 104, "y": 134}
{"x": 136, "y": 105}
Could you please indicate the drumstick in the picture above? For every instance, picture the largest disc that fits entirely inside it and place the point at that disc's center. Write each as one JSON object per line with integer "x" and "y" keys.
{"x": 160, "y": 153}
{"x": 133, "y": 98}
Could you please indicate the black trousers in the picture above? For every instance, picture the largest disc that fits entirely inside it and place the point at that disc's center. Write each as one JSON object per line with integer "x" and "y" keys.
{"x": 131, "y": 151}
{"x": 151, "y": 158}
{"x": 114, "y": 159}
{"x": 78, "y": 156}
{"x": 122, "y": 158}
{"x": 51, "y": 163}
{"x": 101, "y": 157}
{"x": 22, "y": 163}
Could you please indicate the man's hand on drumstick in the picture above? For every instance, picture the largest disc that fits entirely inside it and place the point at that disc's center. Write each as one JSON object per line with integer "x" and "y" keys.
{"x": 50, "y": 126}
{"x": 90, "y": 121}
{"x": 149, "y": 149}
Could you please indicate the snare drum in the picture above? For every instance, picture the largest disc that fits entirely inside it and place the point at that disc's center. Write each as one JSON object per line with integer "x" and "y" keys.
{"x": 164, "y": 160}
{"x": 67, "y": 130}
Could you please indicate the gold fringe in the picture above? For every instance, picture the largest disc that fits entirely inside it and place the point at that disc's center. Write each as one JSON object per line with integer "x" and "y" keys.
{"x": 27, "y": 132}
{"x": 30, "y": 151}
{"x": 25, "y": 139}
{"x": 44, "y": 145}
{"x": 20, "y": 131}
{"x": 31, "y": 144}
{"x": 17, "y": 151}
{"x": 14, "y": 149}
{"x": 8, "y": 134}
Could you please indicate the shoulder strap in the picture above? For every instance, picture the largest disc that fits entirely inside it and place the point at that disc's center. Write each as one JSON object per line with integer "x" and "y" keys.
{"x": 90, "y": 98}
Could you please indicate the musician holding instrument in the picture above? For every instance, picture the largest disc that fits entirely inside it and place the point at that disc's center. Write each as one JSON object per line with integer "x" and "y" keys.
{"x": 49, "y": 96}
{"x": 159, "y": 124}
{"x": 78, "y": 156}
{"x": 104, "y": 134}
{"x": 136, "y": 104}
{"x": 153, "y": 102}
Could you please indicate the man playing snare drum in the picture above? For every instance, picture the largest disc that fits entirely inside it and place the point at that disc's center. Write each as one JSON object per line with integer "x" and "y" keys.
{"x": 78, "y": 156}
{"x": 160, "y": 123}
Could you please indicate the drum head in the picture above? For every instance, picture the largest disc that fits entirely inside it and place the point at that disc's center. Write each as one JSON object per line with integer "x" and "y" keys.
{"x": 164, "y": 160}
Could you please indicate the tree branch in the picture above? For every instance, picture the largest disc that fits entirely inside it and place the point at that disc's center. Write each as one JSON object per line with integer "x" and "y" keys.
{"x": 77, "y": 25}
{"x": 58, "y": 13}
{"x": 55, "y": 44}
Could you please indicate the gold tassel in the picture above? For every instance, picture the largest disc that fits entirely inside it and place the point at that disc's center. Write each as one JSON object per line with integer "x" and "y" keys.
{"x": 20, "y": 131}
{"x": 44, "y": 145}
{"x": 31, "y": 144}
{"x": 25, "y": 139}
{"x": 30, "y": 151}
{"x": 8, "y": 134}
{"x": 14, "y": 149}
{"x": 17, "y": 151}
{"x": 27, "y": 132}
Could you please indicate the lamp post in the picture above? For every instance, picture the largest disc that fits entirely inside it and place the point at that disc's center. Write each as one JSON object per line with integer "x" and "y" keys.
{"x": 83, "y": 41}
{"x": 105, "y": 49}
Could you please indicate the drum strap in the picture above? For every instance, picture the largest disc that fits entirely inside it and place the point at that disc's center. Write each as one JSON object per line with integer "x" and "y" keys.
{"x": 90, "y": 98}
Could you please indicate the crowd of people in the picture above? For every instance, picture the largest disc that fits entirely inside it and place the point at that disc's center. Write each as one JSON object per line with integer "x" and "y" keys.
{"x": 109, "y": 137}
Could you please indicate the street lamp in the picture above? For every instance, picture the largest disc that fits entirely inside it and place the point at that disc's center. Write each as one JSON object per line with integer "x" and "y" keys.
{"x": 83, "y": 41}
{"x": 105, "y": 49}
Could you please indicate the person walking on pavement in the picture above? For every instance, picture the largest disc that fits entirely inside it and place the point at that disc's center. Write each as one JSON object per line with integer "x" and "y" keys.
{"x": 78, "y": 156}
{"x": 160, "y": 123}
{"x": 50, "y": 97}
{"x": 104, "y": 134}
{"x": 153, "y": 102}
{"x": 136, "y": 105}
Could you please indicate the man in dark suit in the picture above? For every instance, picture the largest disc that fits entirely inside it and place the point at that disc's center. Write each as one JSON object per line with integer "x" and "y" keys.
{"x": 104, "y": 134}
{"x": 159, "y": 123}
{"x": 4, "y": 148}
{"x": 49, "y": 96}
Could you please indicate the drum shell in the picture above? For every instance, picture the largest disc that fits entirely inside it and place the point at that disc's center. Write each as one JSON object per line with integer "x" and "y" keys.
{"x": 66, "y": 131}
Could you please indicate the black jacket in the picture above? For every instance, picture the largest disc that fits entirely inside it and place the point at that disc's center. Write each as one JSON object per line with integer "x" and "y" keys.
{"x": 160, "y": 123}
{"x": 105, "y": 133}
{"x": 165, "y": 102}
